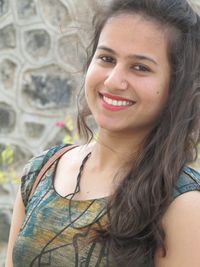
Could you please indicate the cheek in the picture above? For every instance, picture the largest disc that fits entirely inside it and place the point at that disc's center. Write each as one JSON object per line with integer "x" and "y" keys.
{"x": 163, "y": 92}
{"x": 154, "y": 93}
{"x": 91, "y": 83}
{"x": 88, "y": 77}
{"x": 88, "y": 82}
{"x": 149, "y": 90}
{"x": 91, "y": 75}
{"x": 95, "y": 78}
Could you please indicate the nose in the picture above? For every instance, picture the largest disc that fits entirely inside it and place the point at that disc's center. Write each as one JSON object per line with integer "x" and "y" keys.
{"x": 116, "y": 79}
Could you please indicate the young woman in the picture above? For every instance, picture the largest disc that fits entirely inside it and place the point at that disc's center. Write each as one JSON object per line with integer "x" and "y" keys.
{"x": 129, "y": 197}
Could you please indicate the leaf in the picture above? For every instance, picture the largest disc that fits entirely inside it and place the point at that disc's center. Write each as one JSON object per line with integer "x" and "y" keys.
{"x": 68, "y": 139}
{"x": 7, "y": 155}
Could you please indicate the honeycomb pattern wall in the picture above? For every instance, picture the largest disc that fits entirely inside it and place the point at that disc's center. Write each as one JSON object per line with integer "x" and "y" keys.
{"x": 42, "y": 51}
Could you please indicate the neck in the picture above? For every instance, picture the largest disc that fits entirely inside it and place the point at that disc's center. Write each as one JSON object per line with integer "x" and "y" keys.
{"x": 114, "y": 151}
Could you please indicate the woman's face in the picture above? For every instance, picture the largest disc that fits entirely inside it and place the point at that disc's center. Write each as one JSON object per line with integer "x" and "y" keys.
{"x": 127, "y": 82}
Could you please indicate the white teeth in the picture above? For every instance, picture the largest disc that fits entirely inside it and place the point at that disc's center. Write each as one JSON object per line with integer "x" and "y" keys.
{"x": 116, "y": 102}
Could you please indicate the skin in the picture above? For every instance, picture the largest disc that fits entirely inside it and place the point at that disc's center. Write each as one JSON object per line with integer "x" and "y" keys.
{"x": 117, "y": 60}
{"x": 123, "y": 53}
{"x": 147, "y": 83}
{"x": 181, "y": 225}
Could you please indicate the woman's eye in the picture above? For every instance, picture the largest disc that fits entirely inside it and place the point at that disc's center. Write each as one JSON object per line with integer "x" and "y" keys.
{"x": 106, "y": 59}
{"x": 141, "y": 68}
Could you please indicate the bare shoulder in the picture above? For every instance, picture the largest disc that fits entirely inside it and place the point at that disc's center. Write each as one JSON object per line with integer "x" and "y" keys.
{"x": 72, "y": 159}
{"x": 74, "y": 155}
{"x": 184, "y": 211}
{"x": 182, "y": 228}
{"x": 68, "y": 168}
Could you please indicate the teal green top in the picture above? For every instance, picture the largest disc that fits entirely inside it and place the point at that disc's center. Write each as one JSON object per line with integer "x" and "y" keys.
{"x": 58, "y": 232}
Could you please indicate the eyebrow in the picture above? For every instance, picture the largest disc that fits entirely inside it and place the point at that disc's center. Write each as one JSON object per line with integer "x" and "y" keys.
{"x": 136, "y": 56}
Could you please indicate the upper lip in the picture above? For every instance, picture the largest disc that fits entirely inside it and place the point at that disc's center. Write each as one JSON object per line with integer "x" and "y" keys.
{"x": 115, "y": 97}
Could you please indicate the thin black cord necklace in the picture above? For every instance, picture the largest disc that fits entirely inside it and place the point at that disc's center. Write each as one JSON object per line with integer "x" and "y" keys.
{"x": 78, "y": 179}
{"x": 71, "y": 222}
{"x": 77, "y": 188}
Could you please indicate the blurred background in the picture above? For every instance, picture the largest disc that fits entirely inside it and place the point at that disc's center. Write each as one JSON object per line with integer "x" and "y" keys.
{"x": 42, "y": 52}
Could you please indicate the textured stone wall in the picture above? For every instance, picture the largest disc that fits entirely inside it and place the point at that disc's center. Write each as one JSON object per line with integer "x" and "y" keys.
{"x": 42, "y": 50}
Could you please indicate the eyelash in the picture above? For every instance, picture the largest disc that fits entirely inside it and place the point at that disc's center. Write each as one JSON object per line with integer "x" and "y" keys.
{"x": 108, "y": 59}
{"x": 142, "y": 68}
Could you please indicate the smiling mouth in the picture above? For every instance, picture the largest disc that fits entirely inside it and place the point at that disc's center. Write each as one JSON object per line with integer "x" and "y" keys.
{"x": 115, "y": 102}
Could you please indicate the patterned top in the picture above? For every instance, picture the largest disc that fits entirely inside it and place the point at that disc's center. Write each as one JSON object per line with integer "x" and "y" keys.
{"x": 57, "y": 232}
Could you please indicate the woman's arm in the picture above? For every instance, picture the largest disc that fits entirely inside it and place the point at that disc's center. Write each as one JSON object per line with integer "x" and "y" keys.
{"x": 17, "y": 218}
{"x": 182, "y": 227}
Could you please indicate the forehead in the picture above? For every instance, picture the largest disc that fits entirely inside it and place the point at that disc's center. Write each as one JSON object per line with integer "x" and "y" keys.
{"x": 133, "y": 22}
{"x": 132, "y": 31}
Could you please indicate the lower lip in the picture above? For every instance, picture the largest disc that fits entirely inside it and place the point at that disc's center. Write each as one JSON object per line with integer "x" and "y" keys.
{"x": 111, "y": 107}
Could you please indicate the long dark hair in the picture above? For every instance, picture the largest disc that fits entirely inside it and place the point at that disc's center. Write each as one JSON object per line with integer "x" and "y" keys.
{"x": 136, "y": 209}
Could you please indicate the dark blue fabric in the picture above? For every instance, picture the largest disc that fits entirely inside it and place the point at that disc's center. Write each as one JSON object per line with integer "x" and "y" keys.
{"x": 189, "y": 180}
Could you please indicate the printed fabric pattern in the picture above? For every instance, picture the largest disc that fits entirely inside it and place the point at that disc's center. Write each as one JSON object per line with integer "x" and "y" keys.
{"x": 57, "y": 232}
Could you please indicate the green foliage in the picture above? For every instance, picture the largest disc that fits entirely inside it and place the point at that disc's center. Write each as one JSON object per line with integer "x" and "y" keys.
{"x": 7, "y": 173}
{"x": 7, "y": 156}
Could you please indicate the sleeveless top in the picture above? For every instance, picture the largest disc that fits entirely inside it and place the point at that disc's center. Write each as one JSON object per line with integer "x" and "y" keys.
{"x": 57, "y": 231}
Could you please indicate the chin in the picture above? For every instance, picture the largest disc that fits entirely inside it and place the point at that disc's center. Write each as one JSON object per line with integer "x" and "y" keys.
{"x": 113, "y": 128}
